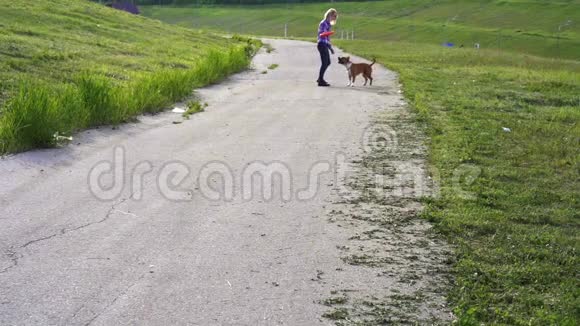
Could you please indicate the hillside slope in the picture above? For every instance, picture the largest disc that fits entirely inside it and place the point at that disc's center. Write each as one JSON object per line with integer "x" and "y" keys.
{"x": 524, "y": 26}
{"x": 111, "y": 65}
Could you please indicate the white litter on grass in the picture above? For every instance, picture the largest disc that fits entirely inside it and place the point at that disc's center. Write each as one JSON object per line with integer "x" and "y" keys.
{"x": 178, "y": 110}
{"x": 59, "y": 138}
{"x": 506, "y": 129}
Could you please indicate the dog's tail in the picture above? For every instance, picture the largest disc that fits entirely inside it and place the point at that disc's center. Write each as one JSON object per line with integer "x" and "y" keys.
{"x": 374, "y": 61}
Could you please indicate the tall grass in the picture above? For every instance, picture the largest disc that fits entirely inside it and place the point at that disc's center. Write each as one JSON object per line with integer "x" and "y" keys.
{"x": 39, "y": 110}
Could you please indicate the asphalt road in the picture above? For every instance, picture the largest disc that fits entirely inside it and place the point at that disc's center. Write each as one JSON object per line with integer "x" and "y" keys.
{"x": 80, "y": 246}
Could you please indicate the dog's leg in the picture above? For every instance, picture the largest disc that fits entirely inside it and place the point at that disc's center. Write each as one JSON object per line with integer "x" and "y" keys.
{"x": 353, "y": 78}
{"x": 366, "y": 80}
{"x": 349, "y": 78}
{"x": 368, "y": 76}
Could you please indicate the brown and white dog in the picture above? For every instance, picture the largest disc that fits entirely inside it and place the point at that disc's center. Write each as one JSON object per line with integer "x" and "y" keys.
{"x": 355, "y": 69}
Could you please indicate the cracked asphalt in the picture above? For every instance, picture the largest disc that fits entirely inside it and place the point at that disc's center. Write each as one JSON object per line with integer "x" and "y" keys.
{"x": 70, "y": 258}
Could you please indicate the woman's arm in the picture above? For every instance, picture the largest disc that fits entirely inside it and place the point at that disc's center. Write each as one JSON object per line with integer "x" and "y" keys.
{"x": 323, "y": 27}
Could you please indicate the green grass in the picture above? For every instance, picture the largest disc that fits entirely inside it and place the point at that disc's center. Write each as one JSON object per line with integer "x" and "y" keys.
{"x": 517, "y": 233}
{"x": 66, "y": 65}
{"x": 273, "y": 66}
{"x": 515, "y": 224}
{"x": 511, "y": 25}
{"x": 194, "y": 107}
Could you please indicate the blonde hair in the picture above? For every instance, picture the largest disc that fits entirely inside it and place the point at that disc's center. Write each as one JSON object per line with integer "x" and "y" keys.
{"x": 329, "y": 12}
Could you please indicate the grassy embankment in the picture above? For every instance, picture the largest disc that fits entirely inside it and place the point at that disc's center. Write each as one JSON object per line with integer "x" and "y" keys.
{"x": 517, "y": 235}
{"x": 521, "y": 26}
{"x": 66, "y": 65}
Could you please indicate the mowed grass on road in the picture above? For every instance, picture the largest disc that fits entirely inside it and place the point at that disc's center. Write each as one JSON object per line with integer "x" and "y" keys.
{"x": 66, "y": 65}
{"x": 509, "y": 198}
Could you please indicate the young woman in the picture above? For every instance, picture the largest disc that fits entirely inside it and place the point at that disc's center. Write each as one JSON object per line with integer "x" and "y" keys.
{"x": 324, "y": 45}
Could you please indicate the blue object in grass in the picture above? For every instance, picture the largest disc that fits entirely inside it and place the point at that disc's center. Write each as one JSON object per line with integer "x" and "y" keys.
{"x": 449, "y": 44}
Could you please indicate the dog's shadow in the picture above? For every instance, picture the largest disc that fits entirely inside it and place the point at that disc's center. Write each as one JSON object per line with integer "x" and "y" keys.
{"x": 379, "y": 90}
